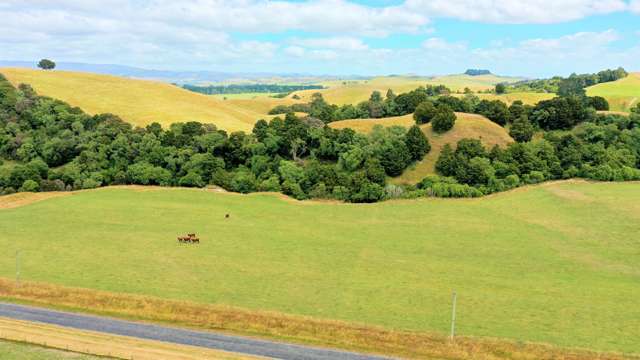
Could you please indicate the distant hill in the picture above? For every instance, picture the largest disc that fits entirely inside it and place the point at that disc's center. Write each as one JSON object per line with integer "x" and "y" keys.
{"x": 477, "y": 72}
{"x": 139, "y": 101}
{"x": 181, "y": 77}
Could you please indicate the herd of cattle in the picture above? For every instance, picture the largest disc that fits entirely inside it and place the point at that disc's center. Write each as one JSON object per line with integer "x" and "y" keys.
{"x": 192, "y": 238}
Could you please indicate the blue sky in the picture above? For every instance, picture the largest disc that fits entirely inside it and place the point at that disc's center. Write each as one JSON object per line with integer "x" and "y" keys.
{"x": 531, "y": 38}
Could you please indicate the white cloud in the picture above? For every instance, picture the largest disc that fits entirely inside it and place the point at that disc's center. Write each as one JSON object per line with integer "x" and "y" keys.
{"x": 327, "y": 55}
{"x": 295, "y": 51}
{"x": 581, "y": 40}
{"x": 439, "y": 44}
{"x": 337, "y": 43}
{"x": 195, "y": 34}
{"x": 579, "y": 52}
{"x": 327, "y": 16}
{"x": 516, "y": 11}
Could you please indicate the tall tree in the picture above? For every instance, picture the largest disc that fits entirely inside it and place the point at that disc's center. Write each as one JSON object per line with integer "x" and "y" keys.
{"x": 522, "y": 130}
{"x": 444, "y": 119}
{"x": 417, "y": 143}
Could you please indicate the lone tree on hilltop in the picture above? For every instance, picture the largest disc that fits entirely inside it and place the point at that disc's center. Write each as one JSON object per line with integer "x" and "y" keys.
{"x": 501, "y": 89}
{"x": 46, "y": 64}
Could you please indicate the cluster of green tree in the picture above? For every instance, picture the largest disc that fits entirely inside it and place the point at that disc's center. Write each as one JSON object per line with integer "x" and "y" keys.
{"x": 553, "y": 114}
{"x": 574, "y": 85}
{"x": 606, "y": 148}
{"x": 58, "y": 147}
{"x": 249, "y": 88}
{"x": 477, "y": 72}
{"x": 427, "y": 102}
{"x": 376, "y": 107}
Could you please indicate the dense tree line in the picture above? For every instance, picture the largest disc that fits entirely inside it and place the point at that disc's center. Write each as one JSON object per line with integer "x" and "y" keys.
{"x": 58, "y": 147}
{"x": 249, "y": 88}
{"x": 606, "y": 148}
{"x": 376, "y": 107}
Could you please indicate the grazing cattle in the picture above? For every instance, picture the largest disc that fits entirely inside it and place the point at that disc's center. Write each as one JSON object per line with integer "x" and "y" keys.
{"x": 190, "y": 238}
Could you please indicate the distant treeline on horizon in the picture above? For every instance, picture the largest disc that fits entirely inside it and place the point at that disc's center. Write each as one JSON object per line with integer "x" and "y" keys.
{"x": 249, "y": 88}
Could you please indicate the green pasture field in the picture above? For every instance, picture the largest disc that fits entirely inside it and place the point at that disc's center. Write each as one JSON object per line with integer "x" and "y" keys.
{"x": 556, "y": 263}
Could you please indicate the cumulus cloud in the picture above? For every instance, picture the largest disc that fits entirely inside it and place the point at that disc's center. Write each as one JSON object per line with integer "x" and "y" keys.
{"x": 327, "y": 16}
{"x": 579, "y": 52}
{"x": 337, "y": 43}
{"x": 516, "y": 11}
{"x": 220, "y": 34}
{"x": 295, "y": 51}
{"x": 439, "y": 44}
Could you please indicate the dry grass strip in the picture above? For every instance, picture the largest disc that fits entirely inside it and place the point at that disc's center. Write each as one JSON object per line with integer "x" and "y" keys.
{"x": 26, "y": 198}
{"x": 94, "y": 343}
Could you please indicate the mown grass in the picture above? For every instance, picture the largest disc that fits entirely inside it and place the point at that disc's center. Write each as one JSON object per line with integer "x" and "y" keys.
{"x": 621, "y": 94}
{"x": 136, "y": 101}
{"x": 468, "y": 126}
{"x": 556, "y": 263}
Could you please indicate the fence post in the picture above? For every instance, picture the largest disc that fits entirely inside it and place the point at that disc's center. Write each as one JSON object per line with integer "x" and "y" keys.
{"x": 453, "y": 316}
{"x": 18, "y": 267}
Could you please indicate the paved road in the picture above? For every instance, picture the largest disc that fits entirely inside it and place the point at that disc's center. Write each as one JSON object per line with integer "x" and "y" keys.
{"x": 210, "y": 340}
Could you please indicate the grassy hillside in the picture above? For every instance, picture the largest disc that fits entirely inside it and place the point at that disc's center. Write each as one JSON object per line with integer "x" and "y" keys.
{"x": 137, "y": 101}
{"x": 355, "y": 91}
{"x": 556, "y": 263}
{"x": 467, "y": 126}
{"x": 621, "y": 94}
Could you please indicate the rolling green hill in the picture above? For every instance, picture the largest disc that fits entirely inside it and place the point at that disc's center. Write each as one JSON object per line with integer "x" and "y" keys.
{"x": 142, "y": 102}
{"x": 555, "y": 263}
{"x": 622, "y": 94}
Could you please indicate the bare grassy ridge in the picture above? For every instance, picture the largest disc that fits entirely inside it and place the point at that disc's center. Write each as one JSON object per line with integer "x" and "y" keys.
{"x": 286, "y": 327}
